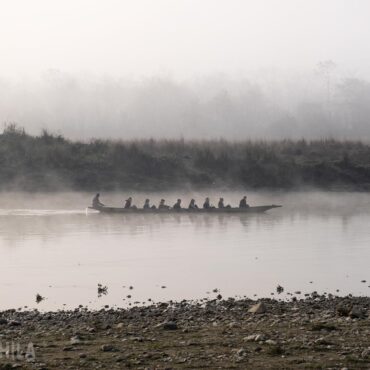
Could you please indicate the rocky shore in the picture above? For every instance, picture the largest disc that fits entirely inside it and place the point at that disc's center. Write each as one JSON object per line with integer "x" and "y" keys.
{"x": 319, "y": 332}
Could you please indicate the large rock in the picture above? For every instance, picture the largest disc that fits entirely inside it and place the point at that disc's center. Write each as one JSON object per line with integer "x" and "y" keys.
{"x": 344, "y": 308}
{"x": 348, "y": 309}
{"x": 356, "y": 312}
{"x": 258, "y": 308}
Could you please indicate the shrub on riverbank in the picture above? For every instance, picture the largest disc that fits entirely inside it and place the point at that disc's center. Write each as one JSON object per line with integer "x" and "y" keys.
{"x": 51, "y": 162}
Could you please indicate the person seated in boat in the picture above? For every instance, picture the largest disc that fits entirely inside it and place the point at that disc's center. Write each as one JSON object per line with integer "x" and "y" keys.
{"x": 206, "y": 204}
{"x": 96, "y": 203}
{"x": 162, "y": 205}
{"x": 221, "y": 204}
{"x": 177, "y": 205}
{"x": 243, "y": 203}
{"x": 128, "y": 203}
{"x": 146, "y": 204}
{"x": 192, "y": 205}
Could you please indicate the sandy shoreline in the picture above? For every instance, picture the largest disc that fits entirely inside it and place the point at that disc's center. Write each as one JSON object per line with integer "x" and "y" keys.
{"x": 317, "y": 332}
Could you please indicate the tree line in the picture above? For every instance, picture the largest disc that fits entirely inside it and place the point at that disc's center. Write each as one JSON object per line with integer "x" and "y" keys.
{"x": 49, "y": 162}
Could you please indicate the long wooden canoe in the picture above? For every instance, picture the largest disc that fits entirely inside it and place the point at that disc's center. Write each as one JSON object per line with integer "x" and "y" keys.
{"x": 258, "y": 209}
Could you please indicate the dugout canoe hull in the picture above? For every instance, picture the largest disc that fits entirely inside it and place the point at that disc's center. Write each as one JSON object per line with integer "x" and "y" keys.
{"x": 113, "y": 210}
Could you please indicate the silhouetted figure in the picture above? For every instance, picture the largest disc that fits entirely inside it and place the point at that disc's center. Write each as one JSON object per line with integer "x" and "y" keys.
{"x": 177, "y": 205}
{"x": 206, "y": 204}
{"x": 221, "y": 204}
{"x": 192, "y": 204}
{"x": 128, "y": 203}
{"x": 146, "y": 204}
{"x": 243, "y": 203}
{"x": 162, "y": 205}
{"x": 96, "y": 201}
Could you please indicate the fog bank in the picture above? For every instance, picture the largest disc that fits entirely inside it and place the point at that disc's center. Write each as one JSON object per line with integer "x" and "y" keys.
{"x": 262, "y": 105}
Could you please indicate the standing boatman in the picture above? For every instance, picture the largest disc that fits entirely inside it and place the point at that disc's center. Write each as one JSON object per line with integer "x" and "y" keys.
{"x": 96, "y": 203}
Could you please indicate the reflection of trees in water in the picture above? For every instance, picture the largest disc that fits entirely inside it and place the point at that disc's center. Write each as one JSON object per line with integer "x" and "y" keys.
{"x": 345, "y": 222}
{"x": 17, "y": 228}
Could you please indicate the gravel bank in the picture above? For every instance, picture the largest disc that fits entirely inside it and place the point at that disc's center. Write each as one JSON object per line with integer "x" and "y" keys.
{"x": 317, "y": 332}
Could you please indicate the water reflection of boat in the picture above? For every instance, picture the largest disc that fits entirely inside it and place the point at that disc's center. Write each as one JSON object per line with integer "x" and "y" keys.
{"x": 257, "y": 209}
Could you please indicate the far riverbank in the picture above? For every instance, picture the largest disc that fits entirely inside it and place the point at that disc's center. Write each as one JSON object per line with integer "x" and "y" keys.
{"x": 53, "y": 163}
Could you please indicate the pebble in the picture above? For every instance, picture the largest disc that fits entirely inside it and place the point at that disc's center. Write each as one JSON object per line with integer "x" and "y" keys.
{"x": 258, "y": 308}
{"x": 250, "y": 338}
{"x": 107, "y": 348}
{"x": 279, "y": 289}
{"x": 260, "y": 338}
{"x": 170, "y": 325}
{"x": 233, "y": 325}
{"x": 271, "y": 342}
{"x": 76, "y": 340}
{"x": 14, "y": 323}
{"x": 241, "y": 352}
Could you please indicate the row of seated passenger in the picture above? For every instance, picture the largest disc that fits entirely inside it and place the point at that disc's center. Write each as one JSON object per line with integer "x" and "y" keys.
{"x": 162, "y": 204}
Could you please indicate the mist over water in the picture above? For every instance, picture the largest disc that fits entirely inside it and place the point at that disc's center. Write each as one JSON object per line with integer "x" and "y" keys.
{"x": 51, "y": 246}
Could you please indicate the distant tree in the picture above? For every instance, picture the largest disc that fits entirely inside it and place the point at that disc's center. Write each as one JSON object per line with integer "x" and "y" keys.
{"x": 354, "y": 95}
{"x": 12, "y": 128}
{"x": 325, "y": 69}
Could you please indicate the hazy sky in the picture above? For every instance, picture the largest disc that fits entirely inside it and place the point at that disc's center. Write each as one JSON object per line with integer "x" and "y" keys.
{"x": 181, "y": 38}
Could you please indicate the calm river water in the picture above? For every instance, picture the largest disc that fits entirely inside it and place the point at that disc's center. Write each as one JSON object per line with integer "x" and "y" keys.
{"x": 50, "y": 245}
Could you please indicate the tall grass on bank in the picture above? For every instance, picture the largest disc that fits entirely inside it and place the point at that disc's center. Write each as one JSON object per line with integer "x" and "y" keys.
{"x": 52, "y": 162}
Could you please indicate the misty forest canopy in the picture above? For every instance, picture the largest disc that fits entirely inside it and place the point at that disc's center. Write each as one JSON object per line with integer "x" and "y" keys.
{"x": 51, "y": 162}
{"x": 324, "y": 103}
